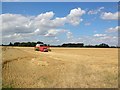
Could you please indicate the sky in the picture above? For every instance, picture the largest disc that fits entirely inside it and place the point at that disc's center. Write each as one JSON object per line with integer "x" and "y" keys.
{"x": 60, "y": 22}
{"x": 60, "y": 0}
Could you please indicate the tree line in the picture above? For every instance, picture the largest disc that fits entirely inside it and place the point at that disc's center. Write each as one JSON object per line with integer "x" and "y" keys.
{"x": 33, "y": 44}
{"x": 102, "y": 45}
{"x": 24, "y": 44}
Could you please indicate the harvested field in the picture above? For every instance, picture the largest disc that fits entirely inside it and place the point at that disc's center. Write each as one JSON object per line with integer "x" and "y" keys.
{"x": 22, "y": 67}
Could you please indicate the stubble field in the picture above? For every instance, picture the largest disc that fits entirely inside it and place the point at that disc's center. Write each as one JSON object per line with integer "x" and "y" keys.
{"x": 22, "y": 67}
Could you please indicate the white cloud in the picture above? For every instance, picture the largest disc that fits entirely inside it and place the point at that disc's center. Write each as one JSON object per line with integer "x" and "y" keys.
{"x": 99, "y": 35}
{"x": 44, "y": 24}
{"x": 15, "y": 23}
{"x": 74, "y": 16}
{"x": 95, "y": 40}
{"x": 54, "y": 32}
{"x": 108, "y": 39}
{"x": 69, "y": 35}
{"x": 56, "y": 39}
{"x": 110, "y": 16}
{"x": 59, "y": 21}
{"x": 113, "y": 29}
{"x": 45, "y": 16}
{"x": 95, "y": 11}
{"x": 111, "y": 40}
{"x": 13, "y": 36}
{"x": 104, "y": 38}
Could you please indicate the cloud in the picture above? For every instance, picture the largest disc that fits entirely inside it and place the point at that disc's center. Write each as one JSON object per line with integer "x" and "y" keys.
{"x": 110, "y": 16}
{"x": 95, "y": 39}
{"x": 56, "y": 39}
{"x": 44, "y": 24}
{"x": 54, "y": 32}
{"x": 104, "y": 38}
{"x": 92, "y": 40}
{"x": 74, "y": 16}
{"x": 45, "y": 16}
{"x": 95, "y": 11}
{"x": 69, "y": 35}
{"x": 113, "y": 29}
{"x": 15, "y": 23}
{"x": 99, "y": 35}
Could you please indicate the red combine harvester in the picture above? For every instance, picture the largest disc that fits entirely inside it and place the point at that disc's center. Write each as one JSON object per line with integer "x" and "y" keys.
{"x": 42, "y": 48}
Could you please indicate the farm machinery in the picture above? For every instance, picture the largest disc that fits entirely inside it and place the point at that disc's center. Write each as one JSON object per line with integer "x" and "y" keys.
{"x": 42, "y": 48}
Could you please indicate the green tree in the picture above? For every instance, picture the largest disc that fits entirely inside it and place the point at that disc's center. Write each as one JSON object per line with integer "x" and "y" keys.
{"x": 10, "y": 44}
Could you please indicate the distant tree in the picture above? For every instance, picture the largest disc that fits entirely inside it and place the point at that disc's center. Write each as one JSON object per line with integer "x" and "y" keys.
{"x": 16, "y": 43}
{"x": 40, "y": 42}
{"x": 28, "y": 44}
{"x": 23, "y": 44}
{"x": 104, "y": 45}
{"x": 96, "y": 45}
{"x": 10, "y": 44}
{"x": 48, "y": 44}
{"x": 33, "y": 44}
{"x": 73, "y": 45}
{"x": 45, "y": 44}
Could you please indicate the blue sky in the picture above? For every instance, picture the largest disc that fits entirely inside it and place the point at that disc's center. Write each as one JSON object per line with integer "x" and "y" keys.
{"x": 60, "y": 1}
{"x": 99, "y": 22}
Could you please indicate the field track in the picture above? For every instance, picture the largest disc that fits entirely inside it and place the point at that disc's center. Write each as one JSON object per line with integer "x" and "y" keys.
{"x": 22, "y": 67}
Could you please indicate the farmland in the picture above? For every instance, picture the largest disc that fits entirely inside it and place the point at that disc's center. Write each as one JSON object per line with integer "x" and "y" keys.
{"x": 22, "y": 67}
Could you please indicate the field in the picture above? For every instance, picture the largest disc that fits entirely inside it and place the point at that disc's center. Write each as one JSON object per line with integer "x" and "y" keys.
{"x": 22, "y": 67}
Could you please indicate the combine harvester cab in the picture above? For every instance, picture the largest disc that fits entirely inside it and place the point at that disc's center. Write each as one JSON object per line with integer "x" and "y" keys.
{"x": 42, "y": 48}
